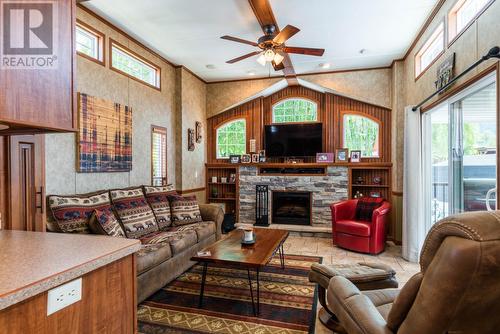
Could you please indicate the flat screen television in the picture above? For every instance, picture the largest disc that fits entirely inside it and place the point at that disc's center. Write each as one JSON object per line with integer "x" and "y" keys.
{"x": 293, "y": 140}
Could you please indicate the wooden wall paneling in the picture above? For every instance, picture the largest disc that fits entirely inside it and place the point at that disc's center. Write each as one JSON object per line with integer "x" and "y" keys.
{"x": 4, "y": 215}
{"x": 108, "y": 305}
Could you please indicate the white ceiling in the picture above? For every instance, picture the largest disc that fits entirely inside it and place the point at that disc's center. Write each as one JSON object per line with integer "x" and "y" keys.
{"x": 187, "y": 32}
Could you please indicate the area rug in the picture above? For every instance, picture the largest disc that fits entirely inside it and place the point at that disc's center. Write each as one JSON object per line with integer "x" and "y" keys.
{"x": 287, "y": 301}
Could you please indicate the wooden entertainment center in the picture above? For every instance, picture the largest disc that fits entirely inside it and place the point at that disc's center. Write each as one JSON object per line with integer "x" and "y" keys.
{"x": 370, "y": 176}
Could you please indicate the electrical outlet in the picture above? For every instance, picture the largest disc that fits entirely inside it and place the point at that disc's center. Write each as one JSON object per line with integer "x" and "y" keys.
{"x": 64, "y": 295}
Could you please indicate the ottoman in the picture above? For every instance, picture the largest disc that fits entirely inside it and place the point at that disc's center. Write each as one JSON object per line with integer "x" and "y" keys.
{"x": 365, "y": 276}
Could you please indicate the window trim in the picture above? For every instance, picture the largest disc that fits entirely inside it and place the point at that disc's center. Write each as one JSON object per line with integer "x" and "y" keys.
{"x": 231, "y": 120}
{"x": 361, "y": 114}
{"x": 101, "y": 38}
{"x": 113, "y": 43}
{"x": 430, "y": 40}
{"x": 162, "y": 130}
{"x": 295, "y": 98}
{"x": 452, "y": 23}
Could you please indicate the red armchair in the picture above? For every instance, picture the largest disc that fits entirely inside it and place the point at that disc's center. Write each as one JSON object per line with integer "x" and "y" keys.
{"x": 359, "y": 236}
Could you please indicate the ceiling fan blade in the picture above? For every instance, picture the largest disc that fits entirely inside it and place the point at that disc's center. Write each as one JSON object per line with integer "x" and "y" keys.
{"x": 285, "y": 34}
{"x": 232, "y": 61}
{"x": 304, "y": 51}
{"x": 278, "y": 67}
{"x": 239, "y": 40}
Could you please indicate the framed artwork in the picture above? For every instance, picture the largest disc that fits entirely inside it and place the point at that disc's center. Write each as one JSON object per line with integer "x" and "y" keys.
{"x": 324, "y": 157}
{"x": 104, "y": 139}
{"x": 190, "y": 140}
{"x": 262, "y": 153}
{"x": 255, "y": 158}
{"x": 355, "y": 156}
{"x": 246, "y": 158}
{"x": 341, "y": 155}
{"x": 197, "y": 129}
{"x": 235, "y": 159}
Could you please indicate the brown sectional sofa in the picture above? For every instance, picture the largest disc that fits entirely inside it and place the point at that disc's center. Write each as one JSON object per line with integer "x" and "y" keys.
{"x": 164, "y": 254}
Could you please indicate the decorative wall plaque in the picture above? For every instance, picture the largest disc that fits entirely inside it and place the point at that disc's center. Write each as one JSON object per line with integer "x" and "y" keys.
{"x": 445, "y": 72}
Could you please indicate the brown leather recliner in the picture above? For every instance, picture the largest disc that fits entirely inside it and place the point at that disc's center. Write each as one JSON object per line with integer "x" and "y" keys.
{"x": 457, "y": 290}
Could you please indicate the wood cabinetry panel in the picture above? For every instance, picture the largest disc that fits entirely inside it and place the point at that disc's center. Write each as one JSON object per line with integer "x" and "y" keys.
{"x": 108, "y": 305}
{"x": 43, "y": 98}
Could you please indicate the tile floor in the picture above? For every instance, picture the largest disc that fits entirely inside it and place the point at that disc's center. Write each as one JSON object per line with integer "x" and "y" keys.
{"x": 331, "y": 255}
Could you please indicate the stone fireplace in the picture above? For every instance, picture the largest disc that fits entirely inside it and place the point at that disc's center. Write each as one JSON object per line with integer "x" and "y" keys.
{"x": 291, "y": 207}
{"x": 323, "y": 189}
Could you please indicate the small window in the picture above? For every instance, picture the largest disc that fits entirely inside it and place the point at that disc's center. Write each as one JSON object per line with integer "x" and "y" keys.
{"x": 361, "y": 133}
{"x": 462, "y": 14}
{"x": 295, "y": 111}
{"x": 430, "y": 51}
{"x": 158, "y": 156}
{"x": 134, "y": 66}
{"x": 89, "y": 42}
{"x": 231, "y": 139}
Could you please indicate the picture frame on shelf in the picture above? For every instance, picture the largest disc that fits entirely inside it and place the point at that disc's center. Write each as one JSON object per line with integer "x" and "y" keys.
{"x": 324, "y": 157}
{"x": 356, "y": 156}
{"x": 232, "y": 178}
{"x": 342, "y": 155}
{"x": 235, "y": 159}
{"x": 246, "y": 158}
{"x": 255, "y": 158}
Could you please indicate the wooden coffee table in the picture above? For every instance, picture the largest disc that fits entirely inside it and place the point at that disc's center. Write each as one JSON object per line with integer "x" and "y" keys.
{"x": 230, "y": 251}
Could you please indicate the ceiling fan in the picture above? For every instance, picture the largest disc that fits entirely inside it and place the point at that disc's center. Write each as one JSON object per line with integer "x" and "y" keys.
{"x": 272, "y": 47}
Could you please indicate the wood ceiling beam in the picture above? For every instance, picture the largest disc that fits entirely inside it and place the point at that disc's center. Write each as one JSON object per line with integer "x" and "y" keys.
{"x": 265, "y": 16}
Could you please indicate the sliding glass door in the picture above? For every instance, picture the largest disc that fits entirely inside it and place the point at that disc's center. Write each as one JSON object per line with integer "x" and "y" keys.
{"x": 460, "y": 152}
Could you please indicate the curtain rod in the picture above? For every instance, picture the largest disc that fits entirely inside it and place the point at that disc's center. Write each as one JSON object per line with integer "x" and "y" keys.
{"x": 493, "y": 53}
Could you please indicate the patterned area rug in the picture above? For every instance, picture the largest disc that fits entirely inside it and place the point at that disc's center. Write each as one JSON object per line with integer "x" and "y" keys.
{"x": 287, "y": 301}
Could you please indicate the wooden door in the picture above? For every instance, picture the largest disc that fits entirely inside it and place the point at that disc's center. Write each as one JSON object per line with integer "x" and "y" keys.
{"x": 26, "y": 183}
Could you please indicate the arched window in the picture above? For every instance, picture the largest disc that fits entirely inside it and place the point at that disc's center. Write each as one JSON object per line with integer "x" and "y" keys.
{"x": 231, "y": 139}
{"x": 295, "y": 111}
{"x": 362, "y": 134}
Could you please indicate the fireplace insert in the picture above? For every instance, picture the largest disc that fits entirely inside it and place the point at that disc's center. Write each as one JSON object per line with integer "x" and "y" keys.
{"x": 291, "y": 207}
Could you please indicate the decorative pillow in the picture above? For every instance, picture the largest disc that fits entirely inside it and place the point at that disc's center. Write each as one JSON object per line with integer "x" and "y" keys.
{"x": 72, "y": 213}
{"x": 157, "y": 197}
{"x": 104, "y": 221}
{"x": 185, "y": 210}
{"x": 134, "y": 212}
{"x": 365, "y": 207}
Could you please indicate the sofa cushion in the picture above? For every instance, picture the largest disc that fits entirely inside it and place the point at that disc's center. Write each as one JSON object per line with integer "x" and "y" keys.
{"x": 185, "y": 210}
{"x": 104, "y": 221}
{"x": 72, "y": 213}
{"x": 353, "y": 227}
{"x": 365, "y": 207}
{"x": 203, "y": 230}
{"x": 178, "y": 240}
{"x": 152, "y": 253}
{"x": 134, "y": 212}
{"x": 157, "y": 197}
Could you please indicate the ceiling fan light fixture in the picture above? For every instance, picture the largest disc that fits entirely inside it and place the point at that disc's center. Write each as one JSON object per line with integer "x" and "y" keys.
{"x": 262, "y": 60}
{"x": 269, "y": 55}
{"x": 278, "y": 58}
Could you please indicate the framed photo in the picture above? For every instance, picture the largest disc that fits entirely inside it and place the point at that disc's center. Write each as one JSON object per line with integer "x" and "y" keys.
{"x": 355, "y": 156}
{"x": 255, "y": 158}
{"x": 262, "y": 153}
{"x": 246, "y": 159}
{"x": 262, "y": 158}
{"x": 324, "y": 157}
{"x": 235, "y": 159}
{"x": 341, "y": 155}
{"x": 197, "y": 130}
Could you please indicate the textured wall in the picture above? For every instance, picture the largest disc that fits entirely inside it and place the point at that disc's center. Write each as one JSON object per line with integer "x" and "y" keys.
{"x": 150, "y": 106}
{"x": 367, "y": 85}
{"x": 325, "y": 191}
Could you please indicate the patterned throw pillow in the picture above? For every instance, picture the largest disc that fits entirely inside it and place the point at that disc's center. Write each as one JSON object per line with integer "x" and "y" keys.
{"x": 134, "y": 212}
{"x": 157, "y": 197}
{"x": 104, "y": 222}
{"x": 72, "y": 213}
{"x": 185, "y": 210}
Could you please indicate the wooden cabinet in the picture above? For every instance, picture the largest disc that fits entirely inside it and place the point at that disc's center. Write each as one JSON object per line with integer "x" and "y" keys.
{"x": 42, "y": 99}
{"x": 226, "y": 192}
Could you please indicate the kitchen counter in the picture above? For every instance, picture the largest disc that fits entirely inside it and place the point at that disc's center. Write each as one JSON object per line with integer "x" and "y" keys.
{"x": 34, "y": 262}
